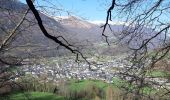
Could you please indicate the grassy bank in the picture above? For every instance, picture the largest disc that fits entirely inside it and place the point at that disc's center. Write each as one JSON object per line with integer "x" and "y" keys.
{"x": 33, "y": 96}
{"x": 82, "y": 90}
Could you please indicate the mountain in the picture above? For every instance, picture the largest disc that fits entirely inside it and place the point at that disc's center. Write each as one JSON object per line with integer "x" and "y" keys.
{"x": 81, "y": 29}
{"x": 30, "y": 41}
{"x": 12, "y": 5}
{"x": 134, "y": 35}
{"x": 92, "y": 32}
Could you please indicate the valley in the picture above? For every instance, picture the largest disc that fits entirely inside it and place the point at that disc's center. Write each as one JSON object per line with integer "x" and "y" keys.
{"x": 126, "y": 61}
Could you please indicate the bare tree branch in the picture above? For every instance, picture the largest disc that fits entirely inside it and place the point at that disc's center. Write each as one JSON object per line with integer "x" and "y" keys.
{"x": 55, "y": 39}
{"x": 13, "y": 32}
{"x": 109, "y": 17}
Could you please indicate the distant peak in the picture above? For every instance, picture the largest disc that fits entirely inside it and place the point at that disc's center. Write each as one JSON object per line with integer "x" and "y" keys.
{"x": 74, "y": 21}
{"x": 70, "y": 17}
{"x": 101, "y": 22}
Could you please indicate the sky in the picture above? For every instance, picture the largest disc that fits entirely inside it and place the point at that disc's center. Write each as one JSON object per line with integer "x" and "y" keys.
{"x": 89, "y": 9}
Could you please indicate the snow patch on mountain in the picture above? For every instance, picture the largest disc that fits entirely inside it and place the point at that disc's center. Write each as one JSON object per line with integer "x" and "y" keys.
{"x": 74, "y": 21}
{"x": 100, "y": 22}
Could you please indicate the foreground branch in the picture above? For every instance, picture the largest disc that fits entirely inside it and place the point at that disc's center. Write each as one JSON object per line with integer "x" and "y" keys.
{"x": 55, "y": 39}
{"x": 109, "y": 13}
{"x": 13, "y": 33}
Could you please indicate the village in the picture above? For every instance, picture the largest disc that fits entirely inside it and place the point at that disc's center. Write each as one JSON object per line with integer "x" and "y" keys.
{"x": 72, "y": 70}
{"x": 69, "y": 69}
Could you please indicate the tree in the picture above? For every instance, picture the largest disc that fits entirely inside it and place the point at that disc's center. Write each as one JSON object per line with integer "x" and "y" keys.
{"x": 146, "y": 34}
{"x": 8, "y": 64}
{"x": 9, "y": 34}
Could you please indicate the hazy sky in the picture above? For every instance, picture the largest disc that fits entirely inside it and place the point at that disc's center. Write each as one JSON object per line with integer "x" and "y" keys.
{"x": 89, "y": 9}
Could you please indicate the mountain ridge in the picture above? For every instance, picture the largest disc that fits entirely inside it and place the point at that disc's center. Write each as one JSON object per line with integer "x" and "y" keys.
{"x": 75, "y": 30}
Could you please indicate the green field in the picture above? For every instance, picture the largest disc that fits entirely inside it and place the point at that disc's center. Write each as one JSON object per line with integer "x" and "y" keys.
{"x": 158, "y": 74}
{"x": 79, "y": 87}
{"x": 34, "y": 96}
{"x": 75, "y": 85}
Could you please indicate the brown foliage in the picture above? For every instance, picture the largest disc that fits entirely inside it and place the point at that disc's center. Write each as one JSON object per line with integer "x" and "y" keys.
{"x": 163, "y": 65}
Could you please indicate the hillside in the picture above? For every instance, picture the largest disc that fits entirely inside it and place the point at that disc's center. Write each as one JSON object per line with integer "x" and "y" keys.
{"x": 30, "y": 41}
